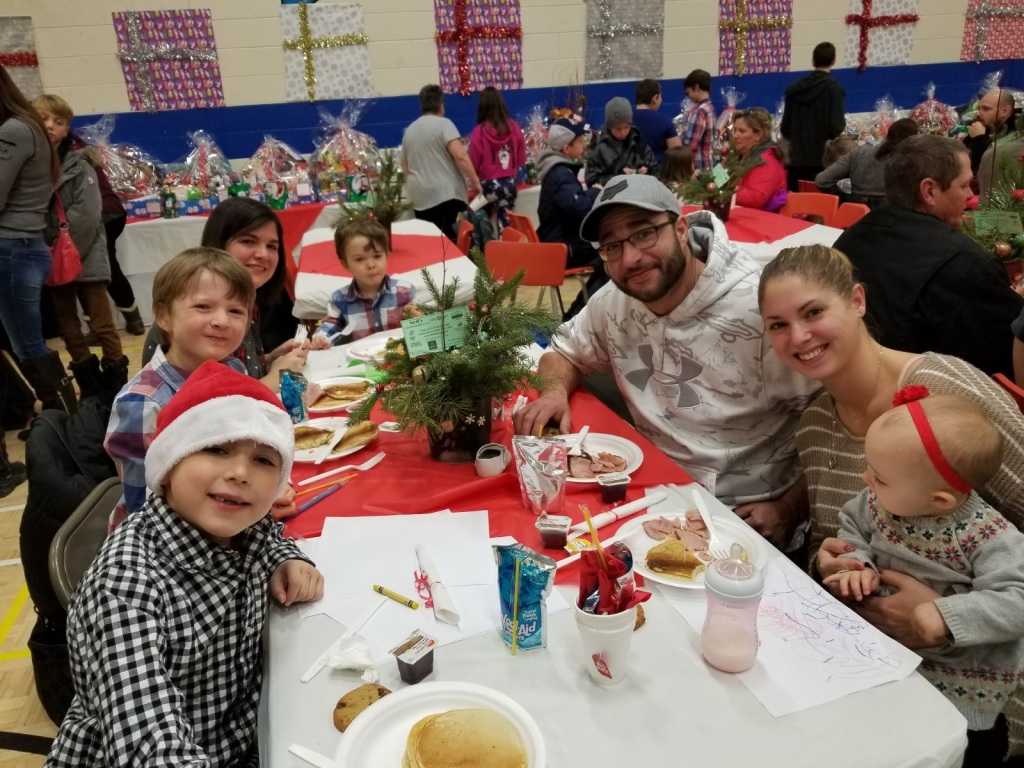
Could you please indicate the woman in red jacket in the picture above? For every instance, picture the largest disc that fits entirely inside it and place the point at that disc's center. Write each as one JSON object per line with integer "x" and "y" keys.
{"x": 764, "y": 185}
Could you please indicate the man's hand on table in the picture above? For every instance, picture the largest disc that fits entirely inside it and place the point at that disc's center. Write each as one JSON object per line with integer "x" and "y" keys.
{"x": 775, "y": 520}
{"x": 549, "y": 407}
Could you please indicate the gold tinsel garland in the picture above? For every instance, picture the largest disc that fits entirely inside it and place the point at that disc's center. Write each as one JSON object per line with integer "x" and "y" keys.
{"x": 307, "y": 44}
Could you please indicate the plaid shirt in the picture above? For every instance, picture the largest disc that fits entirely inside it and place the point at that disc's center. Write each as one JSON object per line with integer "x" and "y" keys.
{"x": 133, "y": 422}
{"x": 700, "y": 133}
{"x": 383, "y": 313}
{"x": 166, "y": 649}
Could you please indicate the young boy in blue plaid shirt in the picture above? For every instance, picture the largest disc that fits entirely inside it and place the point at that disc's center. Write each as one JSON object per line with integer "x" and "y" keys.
{"x": 374, "y": 301}
{"x": 165, "y": 628}
{"x": 202, "y": 299}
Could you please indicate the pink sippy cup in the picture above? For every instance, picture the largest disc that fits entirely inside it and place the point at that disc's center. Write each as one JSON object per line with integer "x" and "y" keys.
{"x": 729, "y": 638}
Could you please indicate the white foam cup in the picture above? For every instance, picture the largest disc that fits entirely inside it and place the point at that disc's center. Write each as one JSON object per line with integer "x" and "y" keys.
{"x": 606, "y": 641}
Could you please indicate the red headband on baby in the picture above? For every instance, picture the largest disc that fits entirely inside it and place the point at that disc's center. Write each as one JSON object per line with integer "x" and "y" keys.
{"x": 909, "y": 396}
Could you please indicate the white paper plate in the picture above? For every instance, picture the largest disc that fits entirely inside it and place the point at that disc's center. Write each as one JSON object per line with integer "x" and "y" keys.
{"x": 371, "y": 349}
{"x": 729, "y": 531}
{"x": 377, "y": 737}
{"x": 596, "y": 442}
{"x": 332, "y": 422}
{"x": 347, "y": 406}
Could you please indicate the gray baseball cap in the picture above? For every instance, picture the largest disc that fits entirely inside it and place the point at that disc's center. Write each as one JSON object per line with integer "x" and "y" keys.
{"x": 638, "y": 190}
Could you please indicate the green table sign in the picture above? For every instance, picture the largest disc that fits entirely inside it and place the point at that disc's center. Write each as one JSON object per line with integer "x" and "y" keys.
{"x": 436, "y": 332}
{"x": 1001, "y": 222}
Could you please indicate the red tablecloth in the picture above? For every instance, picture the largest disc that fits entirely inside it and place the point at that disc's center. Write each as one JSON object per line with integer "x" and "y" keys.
{"x": 408, "y": 481}
{"x": 409, "y": 253}
{"x": 749, "y": 225}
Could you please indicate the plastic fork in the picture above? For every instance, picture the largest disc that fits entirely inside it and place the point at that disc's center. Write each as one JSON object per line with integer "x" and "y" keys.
{"x": 368, "y": 464}
{"x": 577, "y": 450}
{"x": 715, "y": 546}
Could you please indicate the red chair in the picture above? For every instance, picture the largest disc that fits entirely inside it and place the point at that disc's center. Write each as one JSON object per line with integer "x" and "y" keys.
{"x": 803, "y": 185}
{"x": 510, "y": 235}
{"x": 811, "y": 204}
{"x": 543, "y": 265}
{"x": 1015, "y": 392}
{"x": 464, "y": 240}
{"x": 849, "y": 214}
{"x": 523, "y": 224}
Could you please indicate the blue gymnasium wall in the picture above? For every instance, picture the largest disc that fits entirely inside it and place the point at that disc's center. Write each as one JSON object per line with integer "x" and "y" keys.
{"x": 240, "y": 130}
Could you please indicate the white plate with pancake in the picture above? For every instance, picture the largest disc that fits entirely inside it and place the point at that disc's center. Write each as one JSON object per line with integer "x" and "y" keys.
{"x": 336, "y": 406}
{"x": 378, "y": 736}
{"x": 597, "y": 442}
{"x": 333, "y": 422}
{"x": 729, "y": 531}
{"x": 371, "y": 348}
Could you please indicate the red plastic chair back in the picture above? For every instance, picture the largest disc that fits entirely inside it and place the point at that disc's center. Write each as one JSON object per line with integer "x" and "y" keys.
{"x": 849, "y": 214}
{"x": 510, "y": 235}
{"x": 544, "y": 263}
{"x": 803, "y": 185}
{"x": 1015, "y": 392}
{"x": 523, "y": 224}
{"x": 811, "y": 204}
{"x": 464, "y": 240}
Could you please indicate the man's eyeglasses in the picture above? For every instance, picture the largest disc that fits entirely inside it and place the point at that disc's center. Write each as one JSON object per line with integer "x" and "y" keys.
{"x": 645, "y": 238}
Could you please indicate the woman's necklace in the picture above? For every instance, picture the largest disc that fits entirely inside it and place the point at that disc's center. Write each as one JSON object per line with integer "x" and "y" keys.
{"x": 855, "y": 425}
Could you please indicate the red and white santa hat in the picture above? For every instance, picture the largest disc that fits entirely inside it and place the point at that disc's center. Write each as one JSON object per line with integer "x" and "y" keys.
{"x": 217, "y": 405}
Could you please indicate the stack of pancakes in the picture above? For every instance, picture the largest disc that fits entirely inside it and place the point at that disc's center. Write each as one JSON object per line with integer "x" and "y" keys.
{"x": 468, "y": 738}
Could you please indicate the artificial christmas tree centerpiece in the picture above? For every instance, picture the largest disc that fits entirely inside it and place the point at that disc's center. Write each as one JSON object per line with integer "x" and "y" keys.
{"x": 713, "y": 188}
{"x": 480, "y": 358}
{"x": 998, "y": 224}
{"x": 384, "y": 202}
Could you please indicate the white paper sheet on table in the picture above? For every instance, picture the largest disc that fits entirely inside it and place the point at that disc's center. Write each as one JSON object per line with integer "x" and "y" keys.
{"x": 813, "y": 648}
{"x": 354, "y": 553}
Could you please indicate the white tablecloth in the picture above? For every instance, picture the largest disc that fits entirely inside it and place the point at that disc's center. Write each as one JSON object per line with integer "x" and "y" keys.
{"x": 672, "y": 709}
{"x": 313, "y": 291}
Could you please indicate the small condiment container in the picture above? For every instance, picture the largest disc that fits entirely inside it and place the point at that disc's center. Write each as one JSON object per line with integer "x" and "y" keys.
{"x": 613, "y": 487}
{"x": 554, "y": 530}
{"x": 415, "y": 657}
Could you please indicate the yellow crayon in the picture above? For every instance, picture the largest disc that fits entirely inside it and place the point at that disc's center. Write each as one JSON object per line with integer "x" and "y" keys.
{"x": 395, "y": 596}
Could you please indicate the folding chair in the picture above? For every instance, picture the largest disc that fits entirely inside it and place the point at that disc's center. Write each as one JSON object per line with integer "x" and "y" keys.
{"x": 543, "y": 263}
{"x": 464, "y": 241}
{"x": 1015, "y": 392}
{"x": 811, "y": 204}
{"x": 849, "y": 214}
{"x": 803, "y": 185}
{"x": 80, "y": 537}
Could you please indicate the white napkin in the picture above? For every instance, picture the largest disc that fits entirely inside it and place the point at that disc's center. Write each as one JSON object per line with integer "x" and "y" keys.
{"x": 444, "y": 607}
{"x": 354, "y": 653}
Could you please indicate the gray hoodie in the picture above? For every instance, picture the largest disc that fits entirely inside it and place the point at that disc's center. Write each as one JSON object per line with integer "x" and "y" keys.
{"x": 25, "y": 187}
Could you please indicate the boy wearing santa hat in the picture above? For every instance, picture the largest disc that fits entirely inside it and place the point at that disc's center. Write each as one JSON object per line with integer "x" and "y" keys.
{"x": 165, "y": 628}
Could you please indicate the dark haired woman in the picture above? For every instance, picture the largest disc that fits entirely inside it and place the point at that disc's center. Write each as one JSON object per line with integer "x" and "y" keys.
{"x": 864, "y": 166}
{"x": 251, "y": 233}
{"x": 497, "y": 151}
{"x": 28, "y": 170}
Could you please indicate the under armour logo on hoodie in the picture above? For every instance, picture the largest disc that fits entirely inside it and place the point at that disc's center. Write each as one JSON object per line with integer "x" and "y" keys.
{"x": 612, "y": 191}
{"x": 688, "y": 371}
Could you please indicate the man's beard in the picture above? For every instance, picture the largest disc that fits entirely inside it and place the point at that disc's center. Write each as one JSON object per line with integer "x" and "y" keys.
{"x": 670, "y": 272}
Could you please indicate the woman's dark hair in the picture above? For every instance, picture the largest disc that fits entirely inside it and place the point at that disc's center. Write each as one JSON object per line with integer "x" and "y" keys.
{"x": 898, "y": 131}
{"x": 678, "y": 165}
{"x": 238, "y": 216}
{"x": 14, "y": 104}
{"x": 491, "y": 109}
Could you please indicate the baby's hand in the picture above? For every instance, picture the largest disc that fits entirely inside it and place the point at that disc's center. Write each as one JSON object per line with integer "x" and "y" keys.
{"x": 296, "y": 581}
{"x": 319, "y": 341}
{"x": 858, "y": 583}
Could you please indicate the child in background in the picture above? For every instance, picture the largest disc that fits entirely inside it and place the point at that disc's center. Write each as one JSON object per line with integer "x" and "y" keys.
{"x": 835, "y": 150}
{"x": 202, "y": 300}
{"x": 497, "y": 150}
{"x": 920, "y": 516}
{"x": 165, "y": 628}
{"x": 678, "y": 168}
{"x": 621, "y": 148}
{"x": 374, "y": 301}
{"x": 78, "y": 191}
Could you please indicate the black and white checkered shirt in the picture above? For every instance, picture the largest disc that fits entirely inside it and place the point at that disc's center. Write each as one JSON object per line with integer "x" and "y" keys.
{"x": 165, "y": 640}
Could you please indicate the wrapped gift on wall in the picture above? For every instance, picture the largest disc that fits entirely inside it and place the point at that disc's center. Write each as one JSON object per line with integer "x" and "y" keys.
{"x": 325, "y": 52}
{"x": 993, "y": 29}
{"x": 754, "y": 36}
{"x": 169, "y": 59}
{"x": 18, "y": 54}
{"x": 624, "y": 39}
{"x": 880, "y": 33}
{"x": 479, "y": 45}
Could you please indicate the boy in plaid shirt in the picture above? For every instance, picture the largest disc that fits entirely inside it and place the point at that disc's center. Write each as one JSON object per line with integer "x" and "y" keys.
{"x": 374, "y": 301}
{"x": 165, "y": 627}
{"x": 699, "y": 133}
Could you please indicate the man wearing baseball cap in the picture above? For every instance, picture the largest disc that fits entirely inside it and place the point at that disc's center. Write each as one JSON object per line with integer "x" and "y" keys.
{"x": 680, "y": 331}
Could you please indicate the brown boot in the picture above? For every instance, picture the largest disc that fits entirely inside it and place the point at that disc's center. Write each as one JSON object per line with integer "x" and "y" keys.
{"x": 133, "y": 321}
